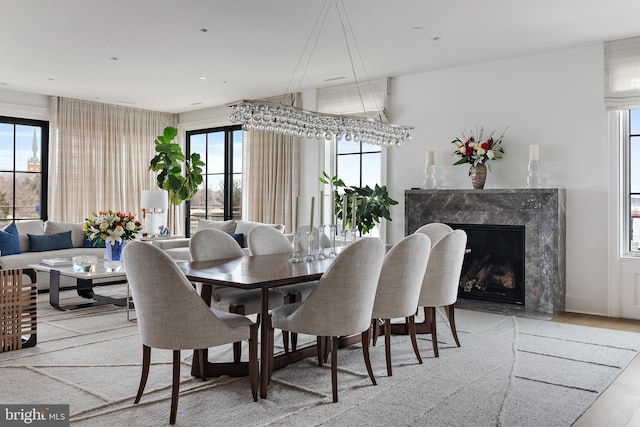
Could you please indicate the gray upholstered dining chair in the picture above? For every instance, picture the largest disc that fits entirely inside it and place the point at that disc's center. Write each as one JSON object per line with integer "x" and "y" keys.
{"x": 211, "y": 244}
{"x": 171, "y": 315}
{"x": 442, "y": 280}
{"x": 399, "y": 287}
{"x": 435, "y": 231}
{"x": 340, "y": 305}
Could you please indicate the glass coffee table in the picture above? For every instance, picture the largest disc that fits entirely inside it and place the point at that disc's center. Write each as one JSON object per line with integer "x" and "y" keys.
{"x": 103, "y": 273}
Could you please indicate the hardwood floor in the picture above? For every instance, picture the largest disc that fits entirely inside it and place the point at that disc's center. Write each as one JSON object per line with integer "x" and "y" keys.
{"x": 619, "y": 405}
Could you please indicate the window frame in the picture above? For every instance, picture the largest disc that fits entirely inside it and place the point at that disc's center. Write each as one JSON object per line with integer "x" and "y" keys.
{"x": 44, "y": 163}
{"x": 228, "y": 174}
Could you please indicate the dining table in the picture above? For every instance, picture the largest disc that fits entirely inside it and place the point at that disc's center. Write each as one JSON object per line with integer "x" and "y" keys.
{"x": 263, "y": 272}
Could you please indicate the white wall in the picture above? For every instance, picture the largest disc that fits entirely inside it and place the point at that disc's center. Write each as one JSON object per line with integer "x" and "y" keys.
{"x": 554, "y": 100}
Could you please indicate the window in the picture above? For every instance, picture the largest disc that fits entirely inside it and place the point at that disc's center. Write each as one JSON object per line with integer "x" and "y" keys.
{"x": 23, "y": 169}
{"x": 358, "y": 163}
{"x": 631, "y": 132}
{"x": 220, "y": 196}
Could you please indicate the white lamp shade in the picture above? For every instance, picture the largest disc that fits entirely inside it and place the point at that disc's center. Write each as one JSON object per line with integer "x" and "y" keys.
{"x": 154, "y": 199}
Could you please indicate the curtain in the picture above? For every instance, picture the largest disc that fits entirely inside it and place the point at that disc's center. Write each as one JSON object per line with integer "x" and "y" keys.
{"x": 363, "y": 99}
{"x": 622, "y": 73}
{"x": 272, "y": 172}
{"x": 99, "y": 157}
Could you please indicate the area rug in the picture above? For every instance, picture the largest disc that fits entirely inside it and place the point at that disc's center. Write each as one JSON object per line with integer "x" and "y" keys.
{"x": 509, "y": 371}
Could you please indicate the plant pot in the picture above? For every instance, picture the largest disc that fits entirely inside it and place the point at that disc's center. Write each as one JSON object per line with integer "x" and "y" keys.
{"x": 478, "y": 176}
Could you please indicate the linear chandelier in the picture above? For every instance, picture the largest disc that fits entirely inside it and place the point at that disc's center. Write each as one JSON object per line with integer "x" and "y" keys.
{"x": 293, "y": 121}
{"x": 265, "y": 116}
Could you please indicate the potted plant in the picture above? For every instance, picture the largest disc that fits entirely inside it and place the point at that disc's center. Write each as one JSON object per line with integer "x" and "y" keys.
{"x": 178, "y": 176}
{"x": 371, "y": 203}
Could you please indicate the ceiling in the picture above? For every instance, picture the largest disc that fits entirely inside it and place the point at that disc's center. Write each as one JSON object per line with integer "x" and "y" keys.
{"x": 153, "y": 54}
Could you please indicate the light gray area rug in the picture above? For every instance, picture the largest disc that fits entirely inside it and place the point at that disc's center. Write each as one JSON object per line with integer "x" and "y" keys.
{"x": 510, "y": 371}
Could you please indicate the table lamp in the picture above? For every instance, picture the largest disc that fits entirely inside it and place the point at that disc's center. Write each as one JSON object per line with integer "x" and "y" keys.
{"x": 154, "y": 203}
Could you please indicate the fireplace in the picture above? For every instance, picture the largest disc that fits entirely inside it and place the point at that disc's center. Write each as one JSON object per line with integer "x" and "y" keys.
{"x": 540, "y": 212}
{"x": 493, "y": 268}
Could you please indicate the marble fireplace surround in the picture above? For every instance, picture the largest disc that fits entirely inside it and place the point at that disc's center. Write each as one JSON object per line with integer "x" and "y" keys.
{"x": 540, "y": 211}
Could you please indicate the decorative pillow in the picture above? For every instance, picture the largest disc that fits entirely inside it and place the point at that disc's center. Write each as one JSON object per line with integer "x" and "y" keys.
{"x": 50, "y": 242}
{"x": 238, "y": 237}
{"x": 77, "y": 235}
{"x": 86, "y": 243}
{"x": 34, "y": 226}
{"x": 9, "y": 240}
{"x": 226, "y": 226}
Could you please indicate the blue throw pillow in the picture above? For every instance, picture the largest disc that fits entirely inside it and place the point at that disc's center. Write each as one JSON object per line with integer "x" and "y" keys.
{"x": 239, "y": 238}
{"x": 49, "y": 242}
{"x": 86, "y": 243}
{"x": 9, "y": 240}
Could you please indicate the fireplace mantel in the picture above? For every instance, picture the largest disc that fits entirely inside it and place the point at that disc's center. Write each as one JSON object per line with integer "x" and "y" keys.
{"x": 540, "y": 211}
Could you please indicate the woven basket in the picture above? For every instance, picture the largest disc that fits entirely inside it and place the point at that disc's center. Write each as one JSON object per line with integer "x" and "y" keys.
{"x": 18, "y": 309}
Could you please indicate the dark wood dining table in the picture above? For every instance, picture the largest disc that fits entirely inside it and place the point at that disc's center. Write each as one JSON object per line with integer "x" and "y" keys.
{"x": 253, "y": 272}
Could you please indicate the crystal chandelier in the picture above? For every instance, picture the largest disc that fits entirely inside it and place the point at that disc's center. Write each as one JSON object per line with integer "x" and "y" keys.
{"x": 289, "y": 120}
{"x": 264, "y": 116}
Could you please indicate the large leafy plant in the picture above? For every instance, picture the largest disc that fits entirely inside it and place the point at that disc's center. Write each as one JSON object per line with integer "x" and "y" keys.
{"x": 372, "y": 204}
{"x": 178, "y": 176}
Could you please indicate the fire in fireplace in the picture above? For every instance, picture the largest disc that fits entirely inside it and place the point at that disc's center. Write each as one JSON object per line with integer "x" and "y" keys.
{"x": 493, "y": 267}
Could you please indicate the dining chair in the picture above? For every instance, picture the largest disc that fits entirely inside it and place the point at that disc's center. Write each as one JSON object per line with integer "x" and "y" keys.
{"x": 212, "y": 244}
{"x": 340, "y": 305}
{"x": 435, "y": 231}
{"x": 442, "y": 280}
{"x": 171, "y": 315}
{"x": 265, "y": 240}
{"x": 399, "y": 288}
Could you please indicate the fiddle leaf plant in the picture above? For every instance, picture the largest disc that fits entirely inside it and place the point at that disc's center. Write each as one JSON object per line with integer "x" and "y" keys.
{"x": 372, "y": 204}
{"x": 178, "y": 176}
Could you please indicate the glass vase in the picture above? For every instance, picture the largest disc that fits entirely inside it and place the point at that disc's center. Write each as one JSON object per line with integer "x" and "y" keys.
{"x": 114, "y": 250}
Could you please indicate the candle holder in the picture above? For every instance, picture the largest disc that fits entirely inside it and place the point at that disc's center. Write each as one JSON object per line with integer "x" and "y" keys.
{"x": 343, "y": 232}
{"x": 321, "y": 254}
{"x": 429, "y": 177}
{"x": 310, "y": 257}
{"x": 295, "y": 258}
{"x": 533, "y": 175}
{"x": 333, "y": 231}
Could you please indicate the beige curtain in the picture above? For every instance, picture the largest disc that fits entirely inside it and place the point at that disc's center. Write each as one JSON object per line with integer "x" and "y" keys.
{"x": 99, "y": 157}
{"x": 272, "y": 172}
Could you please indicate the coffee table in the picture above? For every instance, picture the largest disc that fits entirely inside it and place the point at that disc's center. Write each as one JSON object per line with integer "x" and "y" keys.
{"x": 110, "y": 274}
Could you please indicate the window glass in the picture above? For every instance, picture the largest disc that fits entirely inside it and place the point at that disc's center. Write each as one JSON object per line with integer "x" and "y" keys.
{"x": 215, "y": 156}
{"x": 348, "y": 169}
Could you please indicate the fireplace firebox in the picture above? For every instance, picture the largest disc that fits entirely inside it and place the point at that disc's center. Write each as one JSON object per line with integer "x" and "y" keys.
{"x": 493, "y": 267}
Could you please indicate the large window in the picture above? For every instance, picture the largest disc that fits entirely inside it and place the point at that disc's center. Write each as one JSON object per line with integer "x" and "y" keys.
{"x": 631, "y": 130}
{"x": 358, "y": 163}
{"x": 23, "y": 169}
{"x": 220, "y": 195}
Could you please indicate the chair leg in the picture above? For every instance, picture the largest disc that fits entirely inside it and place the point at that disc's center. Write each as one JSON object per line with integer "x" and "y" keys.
{"x": 253, "y": 361}
{"x": 175, "y": 387}
{"x": 366, "y": 336}
{"x": 237, "y": 351}
{"x": 202, "y": 363}
{"x": 374, "y": 325}
{"x": 411, "y": 325}
{"x": 327, "y": 347}
{"x": 452, "y": 323}
{"x": 146, "y": 361}
{"x": 285, "y": 341}
{"x": 387, "y": 345}
{"x": 320, "y": 343}
{"x": 334, "y": 368}
{"x": 434, "y": 335}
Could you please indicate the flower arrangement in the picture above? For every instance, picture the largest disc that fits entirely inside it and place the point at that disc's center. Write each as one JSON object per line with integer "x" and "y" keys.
{"x": 110, "y": 226}
{"x": 476, "y": 150}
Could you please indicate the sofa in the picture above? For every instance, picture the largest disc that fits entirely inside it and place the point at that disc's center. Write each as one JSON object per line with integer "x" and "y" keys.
{"x": 29, "y": 242}
{"x": 178, "y": 249}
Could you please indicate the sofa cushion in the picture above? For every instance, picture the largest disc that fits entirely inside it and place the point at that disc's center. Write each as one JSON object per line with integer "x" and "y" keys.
{"x": 239, "y": 237}
{"x": 50, "y": 242}
{"x": 9, "y": 240}
{"x": 77, "y": 235}
{"x": 34, "y": 227}
{"x": 86, "y": 243}
{"x": 244, "y": 227}
{"x": 226, "y": 226}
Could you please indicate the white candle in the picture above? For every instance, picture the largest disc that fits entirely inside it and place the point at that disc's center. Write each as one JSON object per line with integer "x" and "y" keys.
{"x": 534, "y": 153}
{"x": 295, "y": 224}
{"x": 430, "y": 158}
{"x": 313, "y": 202}
{"x": 321, "y": 207}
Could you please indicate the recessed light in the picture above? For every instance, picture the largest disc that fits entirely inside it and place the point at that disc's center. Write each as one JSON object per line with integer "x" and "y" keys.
{"x": 203, "y": 77}
{"x": 334, "y": 78}
{"x": 417, "y": 28}
{"x": 113, "y": 58}
{"x": 50, "y": 79}
{"x": 203, "y": 30}
{"x": 436, "y": 38}
{"x": 196, "y": 103}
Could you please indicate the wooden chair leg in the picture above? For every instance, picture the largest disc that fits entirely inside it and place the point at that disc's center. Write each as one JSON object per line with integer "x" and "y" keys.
{"x": 334, "y": 368}
{"x": 387, "y": 345}
{"x": 327, "y": 347}
{"x": 146, "y": 362}
{"x": 452, "y": 323}
{"x": 366, "y": 336}
{"x": 320, "y": 343}
{"x": 374, "y": 325}
{"x": 434, "y": 335}
{"x": 175, "y": 387}
{"x": 411, "y": 325}
{"x": 203, "y": 364}
{"x": 285, "y": 341}
{"x": 237, "y": 351}
{"x": 253, "y": 361}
